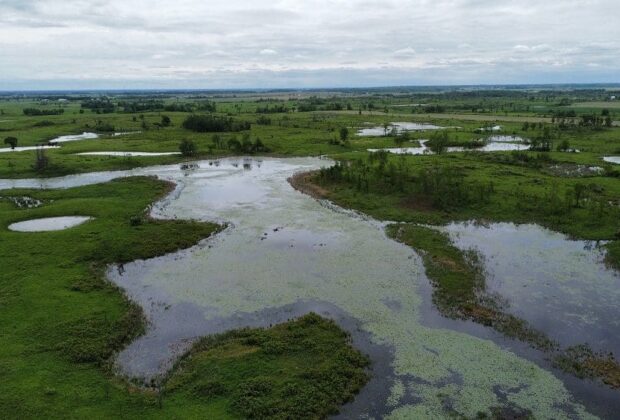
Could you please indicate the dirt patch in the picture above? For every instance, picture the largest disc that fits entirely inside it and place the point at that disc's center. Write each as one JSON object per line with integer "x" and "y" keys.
{"x": 304, "y": 182}
{"x": 421, "y": 204}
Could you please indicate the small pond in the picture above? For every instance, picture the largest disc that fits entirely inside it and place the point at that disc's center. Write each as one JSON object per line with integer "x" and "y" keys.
{"x": 612, "y": 159}
{"x": 48, "y": 224}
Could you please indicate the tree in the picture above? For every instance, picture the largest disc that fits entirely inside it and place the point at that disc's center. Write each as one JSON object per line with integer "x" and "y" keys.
{"x": 386, "y": 127}
{"x": 344, "y": 134}
{"x": 165, "y": 121}
{"x": 399, "y": 140}
{"x": 41, "y": 160}
{"x": 11, "y": 141}
{"x": 439, "y": 142}
{"x": 217, "y": 141}
{"x": 187, "y": 148}
{"x": 564, "y": 146}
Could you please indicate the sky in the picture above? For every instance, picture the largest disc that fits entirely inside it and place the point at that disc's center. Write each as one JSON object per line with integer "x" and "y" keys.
{"x": 235, "y": 44}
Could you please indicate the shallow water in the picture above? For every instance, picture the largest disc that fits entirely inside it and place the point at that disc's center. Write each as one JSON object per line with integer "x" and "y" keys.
{"x": 128, "y": 154}
{"x": 74, "y": 137}
{"x": 25, "y": 148}
{"x": 285, "y": 253}
{"x": 48, "y": 224}
{"x": 125, "y": 133}
{"x": 53, "y": 143}
{"x": 560, "y": 286}
{"x": 494, "y": 128}
{"x": 505, "y": 139}
{"x": 612, "y": 159}
{"x": 399, "y": 126}
{"x": 424, "y": 150}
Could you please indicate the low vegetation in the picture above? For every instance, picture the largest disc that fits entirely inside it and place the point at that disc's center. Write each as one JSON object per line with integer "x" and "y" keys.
{"x": 303, "y": 369}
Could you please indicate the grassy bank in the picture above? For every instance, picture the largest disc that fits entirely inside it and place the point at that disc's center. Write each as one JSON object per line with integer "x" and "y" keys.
{"x": 62, "y": 321}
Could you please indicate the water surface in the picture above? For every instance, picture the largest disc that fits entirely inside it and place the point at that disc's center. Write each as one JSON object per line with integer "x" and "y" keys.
{"x": 25, "y": 148}
{"x": 560, "y": 286}
{"x": 48, "y": 224}
{"x": 399, "y": 127}
{"x": 74, "y": 137}
{"x": 128, "y": 154}
{"x": 612, "y": 159}
{"x": 425, "y": 150}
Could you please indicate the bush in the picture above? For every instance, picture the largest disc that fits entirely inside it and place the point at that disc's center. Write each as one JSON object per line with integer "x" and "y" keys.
{"x": 34, "y": 112}
{"x": 188, "y": 148}
{"x": 212, "y": 123}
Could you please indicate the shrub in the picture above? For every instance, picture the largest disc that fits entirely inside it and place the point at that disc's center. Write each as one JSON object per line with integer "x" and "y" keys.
{"x": 188, "y": 148}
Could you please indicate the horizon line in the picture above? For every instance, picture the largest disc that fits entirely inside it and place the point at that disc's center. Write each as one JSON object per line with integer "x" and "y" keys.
{"x": 311, "y": 89}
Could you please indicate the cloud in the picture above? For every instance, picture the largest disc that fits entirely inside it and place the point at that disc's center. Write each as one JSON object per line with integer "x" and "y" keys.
{"x": 404, "y": 52}
{"x": 268, "y": 51}
{"x": 316, "y": 42}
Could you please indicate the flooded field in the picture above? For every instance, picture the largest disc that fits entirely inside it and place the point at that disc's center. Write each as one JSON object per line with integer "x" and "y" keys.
{"x": 48, "y": 224}
{"x": 284, "y": 253}
{"x": 612, "y": 159}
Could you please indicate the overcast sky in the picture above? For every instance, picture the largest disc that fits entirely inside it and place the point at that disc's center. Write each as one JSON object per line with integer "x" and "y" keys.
{"x": 305, "y": 43}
